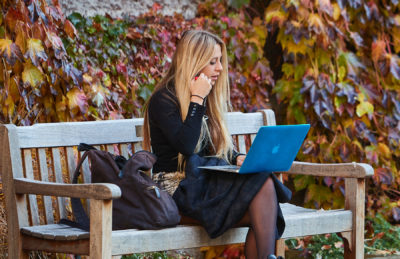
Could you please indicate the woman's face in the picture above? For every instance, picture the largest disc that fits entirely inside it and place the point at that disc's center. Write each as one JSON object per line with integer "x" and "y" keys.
{"x": 214, "y": 68}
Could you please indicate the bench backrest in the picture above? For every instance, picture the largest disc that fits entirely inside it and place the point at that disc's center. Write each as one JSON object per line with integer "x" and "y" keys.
{"x": 48, "y": 152}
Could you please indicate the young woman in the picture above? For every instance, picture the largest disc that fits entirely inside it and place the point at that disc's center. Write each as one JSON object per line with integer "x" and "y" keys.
{"x": 184, "y": 123}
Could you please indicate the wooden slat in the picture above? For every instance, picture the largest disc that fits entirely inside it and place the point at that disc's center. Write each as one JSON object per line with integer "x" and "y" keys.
{"x": 110, "y": 149}
{"x": 252, "y": 137}
{"x": 100, "y": 229}
{"x": 137, "y": 146}
{"x": 44, "y": 173}
{"x": 32, "y": 198}
{"x": 244, "y": 123}
{"x": 56, "y": 232}
{"x": 299, "y": 222}
{"x": 58, "y": 175}
{"x": 71, "y": 162}
{"x": 73, "y": 133}
{"x": 242, "y": 144}
{"x": 124, "y": 150}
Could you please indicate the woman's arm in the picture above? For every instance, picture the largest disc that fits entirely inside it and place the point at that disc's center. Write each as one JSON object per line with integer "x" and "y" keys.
{"x": 165, "y": 114}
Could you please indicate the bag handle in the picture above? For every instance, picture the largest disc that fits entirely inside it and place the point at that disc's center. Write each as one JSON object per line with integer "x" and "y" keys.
{"x": 82, "y": 219}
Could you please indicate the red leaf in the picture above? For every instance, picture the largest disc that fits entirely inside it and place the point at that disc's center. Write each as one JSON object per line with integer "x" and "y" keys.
{"x": 156, "y": 7}
{"x": 378, "y": 50}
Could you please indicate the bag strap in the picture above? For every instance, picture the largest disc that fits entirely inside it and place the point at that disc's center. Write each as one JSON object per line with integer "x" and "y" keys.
{"x": 82, "y": 220}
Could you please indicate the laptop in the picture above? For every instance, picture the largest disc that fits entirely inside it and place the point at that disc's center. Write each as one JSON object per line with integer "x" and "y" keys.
{"x": 273, "y": 150}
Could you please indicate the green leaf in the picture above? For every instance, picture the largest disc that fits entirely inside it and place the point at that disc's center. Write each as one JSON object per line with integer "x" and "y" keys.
{"x": 237, "y": 3}
{"x": 287, "y": 69}
{"x": 77, "y": 20}
{"x": 32, "y": 75}
{"x": 342, "y": 73}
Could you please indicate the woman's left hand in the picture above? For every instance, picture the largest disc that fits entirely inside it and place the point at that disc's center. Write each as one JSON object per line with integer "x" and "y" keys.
{"x": 240, "y": 159}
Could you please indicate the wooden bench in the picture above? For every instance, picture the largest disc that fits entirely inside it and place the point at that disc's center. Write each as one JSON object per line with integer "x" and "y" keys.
{"x": 37, "y": 163}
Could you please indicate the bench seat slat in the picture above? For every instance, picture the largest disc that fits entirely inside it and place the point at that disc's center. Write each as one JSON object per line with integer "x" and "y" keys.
{"x": 298, "y": 220}
{"x": 55, "y": 232}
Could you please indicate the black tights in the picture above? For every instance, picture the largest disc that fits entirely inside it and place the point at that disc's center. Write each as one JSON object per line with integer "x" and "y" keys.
{"x": 261, "y": 217}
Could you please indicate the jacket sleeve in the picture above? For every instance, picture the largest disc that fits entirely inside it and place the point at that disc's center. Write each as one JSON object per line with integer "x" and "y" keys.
{"x": 165, "y": 114}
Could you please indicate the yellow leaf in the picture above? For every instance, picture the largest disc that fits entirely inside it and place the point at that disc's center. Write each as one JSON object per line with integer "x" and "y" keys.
{"x": 10, "y": 51}
{"x": 14, "y": 91}
{"x": 314, "y": 21}
{"x": 9, "y": 103}
{"x": 385, "y": 150}
{"x": 35, "y": 51}
{"x": 31, "y": 75}
{"x": 336, "y": 11}
{"x": 77, "y": 100}
{"x": 396, "y": 38}
{"x": 87, "y": 78}
{"x": 364, "y": 107}
{"x": 61, "y": 105}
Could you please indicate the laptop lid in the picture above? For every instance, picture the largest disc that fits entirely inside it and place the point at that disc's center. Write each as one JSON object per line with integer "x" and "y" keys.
{"x": 274, "y": 148}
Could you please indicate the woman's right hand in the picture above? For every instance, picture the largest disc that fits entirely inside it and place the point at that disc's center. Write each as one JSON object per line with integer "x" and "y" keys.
{"x": 200, "y": 88}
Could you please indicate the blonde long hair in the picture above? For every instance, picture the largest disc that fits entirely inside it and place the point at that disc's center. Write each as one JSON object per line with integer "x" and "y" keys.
{"x": 193, "y": 53}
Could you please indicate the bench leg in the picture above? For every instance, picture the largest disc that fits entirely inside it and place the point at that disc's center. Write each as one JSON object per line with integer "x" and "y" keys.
{"x": 280, "y": 247}
{"x": 17, "y": 252}
{"x": 355, "y": 201}
{"x": 100, "y": 229}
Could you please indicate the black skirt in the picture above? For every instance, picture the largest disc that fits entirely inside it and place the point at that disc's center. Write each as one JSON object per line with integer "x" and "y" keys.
{"x": 219, "y": 200}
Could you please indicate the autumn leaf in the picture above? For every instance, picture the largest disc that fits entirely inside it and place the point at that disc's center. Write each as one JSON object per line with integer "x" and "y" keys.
{"x": 32, "y": 75}
{"x": 70, "y": 29}
{"x": 315, "y": 24}
{"x": 378, "y": 50}
{"x": 394, "y": 67}
{"x": 57, "y": 45}
{"x": 12, "y": 17}
{"x": 10, "y": 51}
{"x": 326, "y": 6}
{"x": 35, "y": 51}
{"x": 384, "y": 150}
{"x": 364, "y": 107}
{"x": 77, "y": 101}
{"x": 21, "y": 31}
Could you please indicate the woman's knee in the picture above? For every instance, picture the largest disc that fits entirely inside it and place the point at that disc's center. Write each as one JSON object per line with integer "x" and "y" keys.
{"x": 268, "y": 186}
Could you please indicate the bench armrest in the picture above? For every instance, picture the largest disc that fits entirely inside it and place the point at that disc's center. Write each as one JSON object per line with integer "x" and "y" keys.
{"x": 99, "y": 191}
{"x": 348, "y": 170}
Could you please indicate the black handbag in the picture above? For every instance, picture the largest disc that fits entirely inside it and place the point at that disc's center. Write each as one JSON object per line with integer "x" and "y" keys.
{"x": 142, "y": 205}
